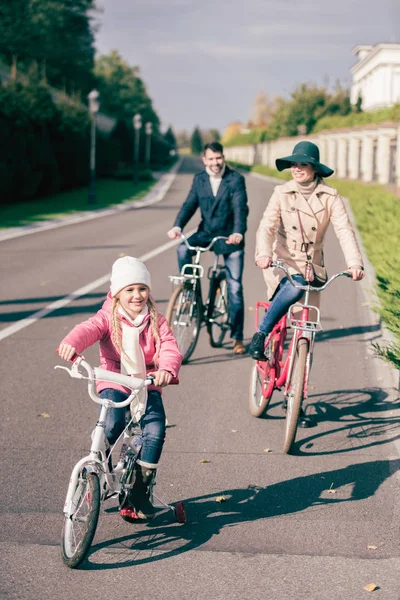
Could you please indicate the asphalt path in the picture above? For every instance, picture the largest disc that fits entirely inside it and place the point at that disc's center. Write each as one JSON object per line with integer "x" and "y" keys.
{"x": 322, "y": 523}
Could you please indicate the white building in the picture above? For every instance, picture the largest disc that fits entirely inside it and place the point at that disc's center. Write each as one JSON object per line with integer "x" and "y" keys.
{"x": 376, "y": 76}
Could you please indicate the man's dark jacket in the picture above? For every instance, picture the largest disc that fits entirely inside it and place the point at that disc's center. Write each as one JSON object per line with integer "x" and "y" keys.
{"x": 221, "y": 215}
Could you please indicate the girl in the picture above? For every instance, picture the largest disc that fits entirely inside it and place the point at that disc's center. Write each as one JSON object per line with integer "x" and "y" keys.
{"x": 134, "y": 339}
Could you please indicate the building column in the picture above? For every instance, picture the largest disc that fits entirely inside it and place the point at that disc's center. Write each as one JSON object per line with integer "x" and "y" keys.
{"x": 383, "y": 157}
{"x": 366, "y": 156}
{"x": 342, "y": 167}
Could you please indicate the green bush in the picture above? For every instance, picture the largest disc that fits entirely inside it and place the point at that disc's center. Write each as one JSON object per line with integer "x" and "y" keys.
{"x": 358, "y": 119}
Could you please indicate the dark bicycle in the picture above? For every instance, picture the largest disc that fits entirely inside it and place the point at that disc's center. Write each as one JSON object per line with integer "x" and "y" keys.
{"x": 186, "y": 311}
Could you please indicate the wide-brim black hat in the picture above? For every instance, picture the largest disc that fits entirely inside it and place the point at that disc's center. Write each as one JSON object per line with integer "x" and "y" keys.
{"x": 304, "y": 152}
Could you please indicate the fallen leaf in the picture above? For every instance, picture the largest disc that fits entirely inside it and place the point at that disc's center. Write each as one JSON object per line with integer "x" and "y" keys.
{"x": 44, "y": 415}
{"x": 267, "y": 450}
{"x": 235, "y": 430}
{"x": 121, "y": 254}
{"x": 203, "y": 461}
{"x": 166, "y": 422}
{"x": 370, "y": 587}
{"x": 372, "y": 547}
{"x": 220, "y": 499}
{"x": 251, "y": 308}
{"x": 331, "y": 491}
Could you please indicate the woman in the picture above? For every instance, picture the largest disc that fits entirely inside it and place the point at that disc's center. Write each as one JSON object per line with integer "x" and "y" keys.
{"x": 293, "y": 228}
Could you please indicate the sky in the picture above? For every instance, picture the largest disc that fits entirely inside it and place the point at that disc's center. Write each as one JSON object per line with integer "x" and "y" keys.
{"x": 204, "y": 62}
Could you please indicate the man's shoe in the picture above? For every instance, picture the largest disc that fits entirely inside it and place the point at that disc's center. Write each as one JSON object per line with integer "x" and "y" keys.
{"x": 238, "y": 347}
{"x": 256, "y": 348}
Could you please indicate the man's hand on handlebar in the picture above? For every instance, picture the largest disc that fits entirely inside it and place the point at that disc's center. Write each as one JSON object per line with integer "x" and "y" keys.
{"x": 234, "y": 238}
{"x": 174, "y": 233}
{"x": 66, "y": 352}
{"x": 161, "y": 378}
{"x": 263, "y": 262}
{"x": 356, "y": 273}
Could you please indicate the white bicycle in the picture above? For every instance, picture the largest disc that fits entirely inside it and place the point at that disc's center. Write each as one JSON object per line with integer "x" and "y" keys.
{"x": 94, "y": 478}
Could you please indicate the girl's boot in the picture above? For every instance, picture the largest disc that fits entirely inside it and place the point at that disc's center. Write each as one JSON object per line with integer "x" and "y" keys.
{"x": 140, "y": 493}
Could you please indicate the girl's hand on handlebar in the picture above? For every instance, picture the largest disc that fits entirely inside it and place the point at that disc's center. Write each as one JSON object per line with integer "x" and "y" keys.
{"x": 263, "y": 262}
{"x": 234, "y": 238}
{"x": 356, "y": 273}
{"x": 174, "y": 233}
{"x": 66, "y": 352}
{"x": 161, "y": 378}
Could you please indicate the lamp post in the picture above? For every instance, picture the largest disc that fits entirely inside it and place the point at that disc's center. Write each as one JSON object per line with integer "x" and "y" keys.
{"x": 149, "y": 131}
{"x": 137, "y": 125}
{"x": 94, "y": 106}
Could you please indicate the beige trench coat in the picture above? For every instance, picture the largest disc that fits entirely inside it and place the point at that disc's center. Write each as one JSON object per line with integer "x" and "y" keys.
{"x": 279, "y": 233}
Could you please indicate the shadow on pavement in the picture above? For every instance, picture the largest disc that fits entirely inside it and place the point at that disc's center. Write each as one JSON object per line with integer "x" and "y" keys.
{"x": 161, "y": 539}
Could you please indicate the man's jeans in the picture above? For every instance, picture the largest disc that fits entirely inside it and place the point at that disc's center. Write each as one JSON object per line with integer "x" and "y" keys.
{"x": 152, "y": 424}
{"x": 285, "y": 295}
{"x": 234, "y": 264}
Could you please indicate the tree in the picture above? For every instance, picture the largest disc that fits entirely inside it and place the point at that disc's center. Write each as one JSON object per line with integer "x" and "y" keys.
{"x": 170, "y": 138}
{"x": 232, "y": 130}
{"x": 196, "y": 142}
{"x": 122, "y": 91}
{"x": 264, "y": 108}
{"x": 215, "y": 135}
{"x": 57, "y": 35}
{"x": 183, "y": 139}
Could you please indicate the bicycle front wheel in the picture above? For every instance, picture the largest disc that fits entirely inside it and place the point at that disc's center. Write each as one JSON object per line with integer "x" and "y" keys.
{"x": 262, "y": 383}
{"x": 79, "y": 528}
{"x": 295, "y": 395}
{"x": 184, "y": 317}
{"x": 217, "y": 311}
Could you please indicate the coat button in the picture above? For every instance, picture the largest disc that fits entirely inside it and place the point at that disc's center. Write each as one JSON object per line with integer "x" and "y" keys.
{"x": 293, "y": 255}
{"x": 311, "y": 243}
{"x": 294, "y": 227}
{"x": 292, "y": 208}
{"x": 313, "y": 228}
{"x": 309, "y": 257}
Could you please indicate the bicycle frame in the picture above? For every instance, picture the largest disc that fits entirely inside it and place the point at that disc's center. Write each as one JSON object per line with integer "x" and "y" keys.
{"x": 194, "y": 272}
{"x": 302, "y": 326}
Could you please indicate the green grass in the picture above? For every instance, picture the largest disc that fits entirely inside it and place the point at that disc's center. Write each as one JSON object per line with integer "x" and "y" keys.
{"x": 377, "y": 214}
{"x": 109, "y": 192}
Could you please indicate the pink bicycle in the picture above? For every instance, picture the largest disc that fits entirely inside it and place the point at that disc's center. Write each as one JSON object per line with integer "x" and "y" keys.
{"x": 293, "y": 373}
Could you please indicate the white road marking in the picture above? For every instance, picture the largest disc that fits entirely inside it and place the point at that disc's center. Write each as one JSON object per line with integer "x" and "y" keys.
{"x": 86, "y": 289}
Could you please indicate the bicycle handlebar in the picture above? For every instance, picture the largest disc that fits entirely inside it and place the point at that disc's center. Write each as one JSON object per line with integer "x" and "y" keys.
{"x": 93, "y": 374}
{"x": 279, "y": 264}
{"x": 201, "y": 248}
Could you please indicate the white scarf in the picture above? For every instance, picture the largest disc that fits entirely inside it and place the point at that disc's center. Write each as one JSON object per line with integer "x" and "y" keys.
{"x": 136, "y": 364}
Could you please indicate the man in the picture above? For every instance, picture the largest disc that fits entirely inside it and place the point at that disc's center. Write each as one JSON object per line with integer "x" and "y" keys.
{"x": 220, "y": 194}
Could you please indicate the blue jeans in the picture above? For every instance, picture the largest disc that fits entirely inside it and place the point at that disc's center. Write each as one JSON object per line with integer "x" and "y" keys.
{"x": 285, "y": 295}
{"x": 234, "y": 264}
{"x": 152, "y": 424}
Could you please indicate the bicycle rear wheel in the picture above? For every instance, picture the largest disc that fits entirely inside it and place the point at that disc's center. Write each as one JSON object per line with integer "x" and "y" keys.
{"x": 184, "y": 317}
{"x": 295, "y": 395}
{"x": 217, "y": 311}
{"x": 79, "y": 528}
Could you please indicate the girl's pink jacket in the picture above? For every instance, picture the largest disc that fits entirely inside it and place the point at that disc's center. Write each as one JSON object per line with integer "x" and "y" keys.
{"x": 98, "y": 329}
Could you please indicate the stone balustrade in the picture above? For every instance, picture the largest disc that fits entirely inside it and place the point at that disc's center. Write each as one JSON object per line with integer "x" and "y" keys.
{"x": 370, "y": 153}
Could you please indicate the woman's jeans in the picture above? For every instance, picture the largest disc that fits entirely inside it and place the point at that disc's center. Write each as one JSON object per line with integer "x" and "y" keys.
{"x": 285, "y": 295}
{"x": 234, "y": 264}
{"x": 152, "y": 424}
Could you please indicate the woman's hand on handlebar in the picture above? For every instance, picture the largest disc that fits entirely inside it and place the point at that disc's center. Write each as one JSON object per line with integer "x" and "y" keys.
{"x": 66, "y": 352}
{"x": 356, "y": 273}
{"x": 161, "y": 378}
{"x": 263, "y": 262}
{"x": 174, "y": 233}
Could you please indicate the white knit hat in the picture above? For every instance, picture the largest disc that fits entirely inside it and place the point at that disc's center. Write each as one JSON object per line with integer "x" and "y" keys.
{"x": 128, "y": 271}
